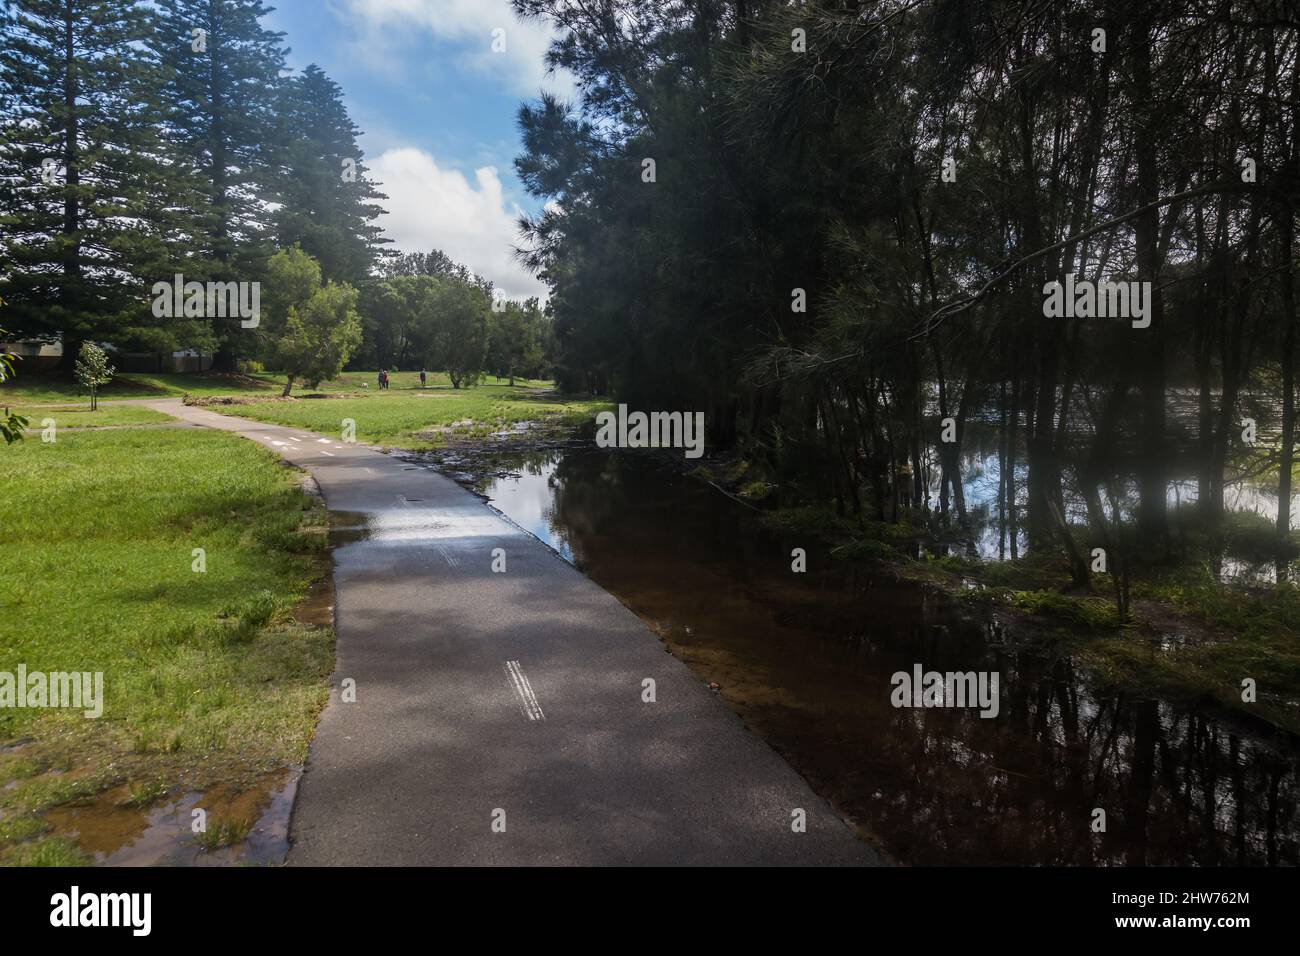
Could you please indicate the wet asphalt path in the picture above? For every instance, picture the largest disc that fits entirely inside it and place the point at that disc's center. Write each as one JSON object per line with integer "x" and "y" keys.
{"x": 499, "y": 717}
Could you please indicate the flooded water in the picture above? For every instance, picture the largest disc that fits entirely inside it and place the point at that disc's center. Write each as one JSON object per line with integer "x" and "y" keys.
{"x": 807, "y": 659}
{"x": 989, "y": 539}
{"x": 116, "y": 833}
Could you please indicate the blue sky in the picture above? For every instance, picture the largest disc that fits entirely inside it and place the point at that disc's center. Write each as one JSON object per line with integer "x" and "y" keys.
{"x": 437, "y": 106}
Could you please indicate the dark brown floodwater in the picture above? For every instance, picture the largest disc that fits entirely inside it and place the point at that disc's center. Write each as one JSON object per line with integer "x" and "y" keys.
{"x": 115, "y": 833}
{"x": 806, "y": 659}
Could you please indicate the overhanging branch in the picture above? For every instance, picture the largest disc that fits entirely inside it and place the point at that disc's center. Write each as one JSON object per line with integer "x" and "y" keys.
{"x": 940, "y": 315}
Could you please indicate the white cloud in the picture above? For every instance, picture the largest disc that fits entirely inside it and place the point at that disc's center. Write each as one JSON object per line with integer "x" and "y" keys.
{"x": 469, "y": 24}
{"x": 429, "y": 207}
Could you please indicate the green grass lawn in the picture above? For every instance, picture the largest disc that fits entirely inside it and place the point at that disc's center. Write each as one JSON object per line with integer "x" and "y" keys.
{"x": 207, "y": 676}
{"x": 27, "y": 388}
{"x": 416, "y": 418}
{"x": 400, "y": 381}
{"x": 78, "y": 416}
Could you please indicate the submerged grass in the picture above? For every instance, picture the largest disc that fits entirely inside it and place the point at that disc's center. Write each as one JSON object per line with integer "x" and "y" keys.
{"x": 223, "y": 833}
{"x": 1191, "y": 636}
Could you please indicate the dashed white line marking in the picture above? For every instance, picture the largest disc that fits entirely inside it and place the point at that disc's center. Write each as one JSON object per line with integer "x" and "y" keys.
{"x": 527, "y": 700}
{"x": 295, "y": 439}
{"x": 324, "y": 452}
{"x": 324, "y": 441}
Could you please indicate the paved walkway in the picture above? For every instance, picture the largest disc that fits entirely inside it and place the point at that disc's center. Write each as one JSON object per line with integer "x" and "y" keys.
{"x": 512, "y": 699}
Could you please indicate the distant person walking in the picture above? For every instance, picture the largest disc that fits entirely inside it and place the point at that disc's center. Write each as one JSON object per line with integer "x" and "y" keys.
{"x": 381, "y": 378}
{"x": 421, "y": 378}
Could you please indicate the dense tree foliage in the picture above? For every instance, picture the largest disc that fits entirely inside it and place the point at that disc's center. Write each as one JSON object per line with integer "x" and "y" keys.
{"x": 460, "y": 341}
{"x": 220, "y": 73}
{"x": 517, "y": 340}
{"x": 327, "y": 205}
{"x": 143, "y": 141}
{"x": 429, "y": 311}
{"x": 854, "y": 216}
{"x": 84, "y": 216}
{"x": 312, "y": 328}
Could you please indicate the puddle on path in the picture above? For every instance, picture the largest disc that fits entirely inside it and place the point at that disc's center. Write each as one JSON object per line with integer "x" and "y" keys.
{"x": 408, "y": 522}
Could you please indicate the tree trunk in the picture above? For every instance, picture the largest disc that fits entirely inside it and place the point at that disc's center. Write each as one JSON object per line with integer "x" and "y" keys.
{"x": 71, "y": 291}
{"x": 1002, "y": 470}
{"x": 1286, "y": 459}
{"x": 1286, "y": 235}
{"x": 71, "y": 349}
{"x": 1153, "y": 517}
{"x": 1013, "y": 452}
{"x": 225, "y": 359}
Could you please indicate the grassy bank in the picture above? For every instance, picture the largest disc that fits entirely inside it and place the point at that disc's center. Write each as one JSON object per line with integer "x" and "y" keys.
{"x": 406, "y": 415}
{"x": 30, "y": 388}
{"x": 207, "y": 677}
{"x": 416, "y": 418}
